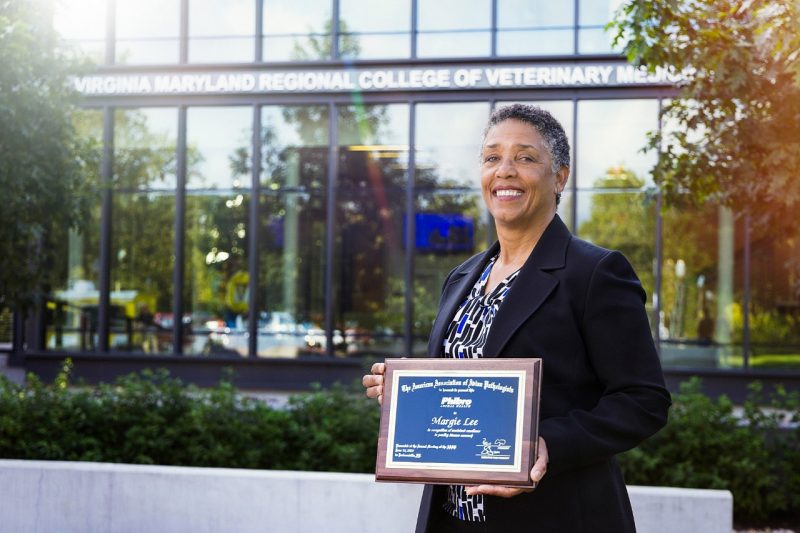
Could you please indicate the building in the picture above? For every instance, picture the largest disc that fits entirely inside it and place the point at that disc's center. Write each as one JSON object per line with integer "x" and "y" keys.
{"x": 289, "y": 182}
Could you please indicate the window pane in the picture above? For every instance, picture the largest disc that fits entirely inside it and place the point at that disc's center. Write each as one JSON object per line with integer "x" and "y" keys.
{"x": 6, "y": 327}
{"x": 292, "y": 274}
{"x": 71, "y": 313}
{"x": 448, "y": 143}
{"x": 294, "y": 147}
{"x": 611, "y": 133}
{"x": 450, "y": 227}
{"x": 215, "y": 288}
{"x": 297, "y": 16}
{"x": 82, "y": 23}
{"x": 362, "y": 15}
{"x": 775, "y": 293}
{"x": 144, "y": 148}
{"x": 293, "y": 222}
{"x": 617, "y": 218}
{"x": 142, "y": 230}
{"x": 367, "y": 32}
{"x": 221, "y": 30}
{"x": 218, "y": 147}
{"x": 701, "y": 288}
{"x": 368, "y": 269}
{"x": 436, "y": 25}
{"x": 450, "y": 44}
{"x": 142, "y": 260}
{"x": 297, "y": 30}
{"x": 535, "y": 27}
{"x": 147, "y": 31}
{"x": 374, "y": 45}
{"x": 593, "y": 16}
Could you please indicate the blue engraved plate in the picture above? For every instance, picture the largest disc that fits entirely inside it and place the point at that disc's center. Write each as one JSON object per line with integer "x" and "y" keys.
{"x": 465, "y": 420}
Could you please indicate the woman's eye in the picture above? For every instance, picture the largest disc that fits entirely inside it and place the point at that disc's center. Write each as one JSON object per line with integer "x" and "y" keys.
{"x": 490, "y": 158}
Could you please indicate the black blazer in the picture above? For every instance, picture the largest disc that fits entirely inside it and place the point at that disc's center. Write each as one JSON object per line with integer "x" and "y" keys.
{"x": 581, "y": 309}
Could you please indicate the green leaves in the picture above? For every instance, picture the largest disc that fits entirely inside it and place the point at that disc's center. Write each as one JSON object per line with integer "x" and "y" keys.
{"x": 752, "y": 450}
{"x": 42, "y": 161}
{"x": 152, "y": 418}
{"x": 738, "y": 143}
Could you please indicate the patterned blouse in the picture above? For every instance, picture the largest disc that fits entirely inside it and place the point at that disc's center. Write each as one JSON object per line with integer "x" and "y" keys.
{"x": 465, "y": 337}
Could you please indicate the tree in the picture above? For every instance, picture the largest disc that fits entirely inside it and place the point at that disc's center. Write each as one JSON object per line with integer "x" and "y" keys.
{"x": 42, "y": 160}
{"x": 732, "y": 135}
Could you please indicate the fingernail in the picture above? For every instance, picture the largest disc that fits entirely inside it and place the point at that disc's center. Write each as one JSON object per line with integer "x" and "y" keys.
{"x": 537, "y": 475}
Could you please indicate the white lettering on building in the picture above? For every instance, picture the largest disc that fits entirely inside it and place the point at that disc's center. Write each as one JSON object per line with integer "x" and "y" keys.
{"x": 373, "y": 80}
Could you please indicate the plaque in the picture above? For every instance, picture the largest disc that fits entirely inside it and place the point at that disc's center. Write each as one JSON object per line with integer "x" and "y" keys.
{"x": 459, "y": 421}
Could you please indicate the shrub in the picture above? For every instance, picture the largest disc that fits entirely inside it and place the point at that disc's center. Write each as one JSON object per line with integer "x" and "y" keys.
{"x": 711, "y": 444}
{"x": 152, "y": 418}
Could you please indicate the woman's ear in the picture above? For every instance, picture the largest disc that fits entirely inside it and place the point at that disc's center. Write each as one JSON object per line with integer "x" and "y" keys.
{"x": 561, "y": 179}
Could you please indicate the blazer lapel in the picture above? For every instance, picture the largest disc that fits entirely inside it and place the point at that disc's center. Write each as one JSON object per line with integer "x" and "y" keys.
{"x": 531, "y": 288}
{"x": 453, "y": 294}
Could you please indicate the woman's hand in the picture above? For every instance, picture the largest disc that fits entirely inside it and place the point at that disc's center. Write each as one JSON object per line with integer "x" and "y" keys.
{"x": 537, "y": 473}
{"x": 374, "y": 382}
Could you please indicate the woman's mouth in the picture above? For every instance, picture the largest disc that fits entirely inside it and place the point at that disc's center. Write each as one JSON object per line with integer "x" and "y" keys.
{"x": 507, "y": 194}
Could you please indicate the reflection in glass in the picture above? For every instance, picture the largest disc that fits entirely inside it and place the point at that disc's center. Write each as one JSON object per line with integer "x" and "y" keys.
{"x": 292, "y": 274}
{"x": 294, "y": 147}
{"x": 221, "y": 30}
{"x": 82, "y": 23}
{"x": 700, "y": 322}
{"x": 216, "y": 278}
{"x": 144, "y": 148}
{"x": 218, "y": 147}
{"x": 442, "y": 35}
{"x": 774, "y": 293}
{"x": 147, "y": 31}
{"x": 293, "y": 218}
{"x": 366, "y": 32}
{"x": 450, "y": 227}
{"x": 448, "y": 139}
{"x": 368, "y": 265}
{"x": 538, "y": 27}
{"x": 142, "y": 260}
{"x": 71, "y": 312}
{"x": 612, "y": 133}
{"x": 593, "y": 17}
{"x": 621, "y": 218}
{"x": 297, "y": 30}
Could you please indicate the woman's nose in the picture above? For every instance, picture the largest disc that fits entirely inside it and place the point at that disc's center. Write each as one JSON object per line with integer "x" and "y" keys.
{"x": 506, "y": 169}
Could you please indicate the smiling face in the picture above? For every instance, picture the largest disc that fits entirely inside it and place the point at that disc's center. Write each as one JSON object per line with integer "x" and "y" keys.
{"x": 517, "y": 178}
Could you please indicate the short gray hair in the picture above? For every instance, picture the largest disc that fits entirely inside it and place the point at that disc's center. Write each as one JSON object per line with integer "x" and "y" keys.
{"x": 553, "y": 135}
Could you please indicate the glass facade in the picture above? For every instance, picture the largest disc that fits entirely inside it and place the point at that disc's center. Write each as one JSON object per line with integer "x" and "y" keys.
{"x": 322, "y": 224}
{"x": 293, "y": 220}
{"x": 150, "y": 31}
{"x": 70, "y": 318}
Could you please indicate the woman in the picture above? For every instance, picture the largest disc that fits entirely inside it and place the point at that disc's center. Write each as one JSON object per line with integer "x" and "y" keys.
{"x": 541, "y": 292}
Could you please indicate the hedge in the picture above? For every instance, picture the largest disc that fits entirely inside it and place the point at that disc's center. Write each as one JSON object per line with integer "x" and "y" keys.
{"x": 152, "y": 418}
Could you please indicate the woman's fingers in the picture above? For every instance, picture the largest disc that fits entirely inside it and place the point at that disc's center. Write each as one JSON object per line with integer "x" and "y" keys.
{"x": 374, "y": 382}
{"x": 496, "y": 490}
{"x": 540, "y": 466}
